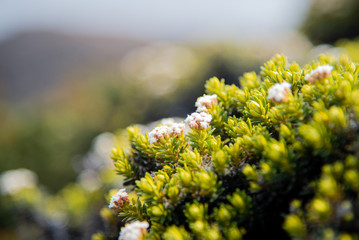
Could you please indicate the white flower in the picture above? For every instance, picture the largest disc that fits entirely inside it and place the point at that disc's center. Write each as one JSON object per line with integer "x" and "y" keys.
{"x": 199, "y": 120}
{"x": 206, "y": 102}
{"x": 279, "y": 92}
{"x": 159, "y": 132}
{"x": 320, "y": 72}
{"x": 172, "y": 129}
{"x": 13, "y": 181}
{"x": 133, "y": 231}
{"x": 118, "y": 199}
{"x": 176, "y": 129}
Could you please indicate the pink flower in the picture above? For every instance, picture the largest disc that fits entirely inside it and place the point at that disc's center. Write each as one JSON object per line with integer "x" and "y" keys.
{"x": 199, "y": 120}
{"x": 279, "y": 92}
{"x": 158, "y": 133}
{"x": 206, "y": 102}
{"x": 133, "y": 231}
{"x": 176, "y": 129}
{"x": 320, "y": 72}
{"x": 119, "y": 199}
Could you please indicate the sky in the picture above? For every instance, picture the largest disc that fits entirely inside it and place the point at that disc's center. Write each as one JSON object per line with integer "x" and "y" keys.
{"x": 154, "y": 19}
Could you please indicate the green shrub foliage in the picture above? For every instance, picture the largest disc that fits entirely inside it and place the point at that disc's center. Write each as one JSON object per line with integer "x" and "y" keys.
{"x": 279, "y": 159}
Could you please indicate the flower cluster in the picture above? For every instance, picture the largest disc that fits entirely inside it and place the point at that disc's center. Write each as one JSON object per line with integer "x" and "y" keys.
{"x": 134, "y": 231}
{"x": 199, "y": 120}
{"x": 13, "y": 181}
{"x": 119, "y": 199}
{"x": 320, "y": 72}
{"x": 211, "y": 182}
{"x": 174, "y": 129}
{"x": 279, "y": 92}
{"x": 206, "y": 102}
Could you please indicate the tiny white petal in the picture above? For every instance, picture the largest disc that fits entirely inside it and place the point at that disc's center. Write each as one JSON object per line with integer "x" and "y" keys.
{"x": 278, "y": 91}
{"x": 199, "y": 119}
{"x": 117, "y": 198}
{"x": 320, "y": 72}
{"x": 133, "y": 231}
{"x": 203, "y": 102}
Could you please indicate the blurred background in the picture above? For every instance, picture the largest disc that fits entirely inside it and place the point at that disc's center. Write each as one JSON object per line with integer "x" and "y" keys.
{"x": 74, "y": 72}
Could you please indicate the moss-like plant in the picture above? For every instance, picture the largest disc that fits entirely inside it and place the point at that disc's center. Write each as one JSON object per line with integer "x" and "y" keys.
{"x": 274, "y": 158}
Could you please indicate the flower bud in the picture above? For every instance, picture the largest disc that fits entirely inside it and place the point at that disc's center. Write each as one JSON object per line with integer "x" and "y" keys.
{"x": 173, "y": 192}
{"x": 285, "y": 132}
{"x": 206, "y": 102}
{"x": 199, "y": 120}
{"x": 320, "y": 72}
{"x": 345, "y": 236}
{"x": 213, "y": 234}
{"x": 266, "y": 170}
{"x": 206, "y": 182}
{"x": 242, "y": 96}
{"x": 119, "y": 199}
{"x": 319, "y": 209}
{"x": 234, "y": 233}
{"x": 145, "y": 185}
{"x": 157, "y": 210}
{"x": 158, "y": 133}
{"x": 238, "y": 202}
{"x": 197, "y": 226}
{"x": 192, "y": 158}
{"x": 250, "y": 173}
{"x": 351, "y": 161}
{"x": 351, "y": 177}
{"x": 279, "y": 92}
{"x": 185, "y": 177}
{"x": 311, "y": 135}
{"x": 328, "y": 187}
{"x": 135, "y": 230}
{"x": 337, "y": 117}
{"x": 195, "y": 211}
{"x": 294, "y": 226}
{"x": 255, "y": 109}
{"x": 224, "y": 216}
{"x": 175, "y": 233}
{"x": 220, "y": 161}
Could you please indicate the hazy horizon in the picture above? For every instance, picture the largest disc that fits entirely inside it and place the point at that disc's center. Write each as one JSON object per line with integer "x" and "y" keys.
{"x": 155, "y": 19}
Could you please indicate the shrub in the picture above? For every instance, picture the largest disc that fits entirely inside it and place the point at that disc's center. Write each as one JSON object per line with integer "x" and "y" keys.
{"x": 278, "y": 159}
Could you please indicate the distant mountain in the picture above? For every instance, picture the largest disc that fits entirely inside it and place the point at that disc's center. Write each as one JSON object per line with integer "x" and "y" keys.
{"x": 33, "y": 62}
